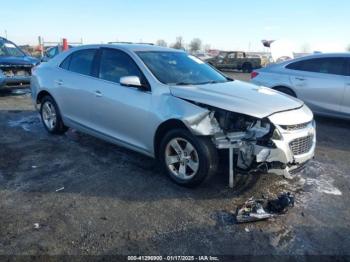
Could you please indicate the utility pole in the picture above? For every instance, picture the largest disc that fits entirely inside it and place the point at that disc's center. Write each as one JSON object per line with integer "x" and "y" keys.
{"x": 5, "y": 33}
{"x": 41, "y": 46}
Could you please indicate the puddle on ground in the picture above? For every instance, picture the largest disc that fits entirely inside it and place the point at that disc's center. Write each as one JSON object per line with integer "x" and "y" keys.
{"x": 324, "y": 186}
{"x": 27, "y": 123}
{"x": 318, "y": 176}
{"x": 315, "y": 177}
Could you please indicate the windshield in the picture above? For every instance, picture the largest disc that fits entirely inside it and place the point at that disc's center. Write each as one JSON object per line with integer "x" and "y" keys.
{"x": 9, "y": 49}
{"x": 179, "y": 68}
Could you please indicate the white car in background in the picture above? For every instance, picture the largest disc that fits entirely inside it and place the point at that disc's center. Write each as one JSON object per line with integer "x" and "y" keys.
{"x": 322, "y": 81}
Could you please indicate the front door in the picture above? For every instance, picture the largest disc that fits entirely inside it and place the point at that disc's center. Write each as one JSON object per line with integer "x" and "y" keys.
{"x": 121, "y": 112}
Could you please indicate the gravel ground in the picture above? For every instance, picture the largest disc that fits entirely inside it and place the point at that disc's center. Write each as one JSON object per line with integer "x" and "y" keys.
{"x": 75, "y": 194}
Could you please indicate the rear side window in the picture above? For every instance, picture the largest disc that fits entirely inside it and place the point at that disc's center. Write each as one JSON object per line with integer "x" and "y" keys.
{"x": 116, "y": 64}
{"x": 80, "y": 61}
{"x": 329, "y": 65}
{"x": 347, "y": 72}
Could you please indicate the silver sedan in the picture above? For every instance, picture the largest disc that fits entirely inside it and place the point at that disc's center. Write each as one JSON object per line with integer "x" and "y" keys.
{"x": 322, "y": 81}
{"x": 172, "y": 106}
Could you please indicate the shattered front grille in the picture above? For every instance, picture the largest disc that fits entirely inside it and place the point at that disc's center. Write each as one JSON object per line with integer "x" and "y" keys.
{"x": 301, "y": 145}
{"x": 295, "y": 127}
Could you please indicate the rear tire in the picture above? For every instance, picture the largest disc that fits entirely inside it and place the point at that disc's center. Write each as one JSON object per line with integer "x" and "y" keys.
{"x": 51, "y": 117}
{"x": 286, "y": 90}
{"x": 187, "y": 159}
{"x": 247, "y": 68}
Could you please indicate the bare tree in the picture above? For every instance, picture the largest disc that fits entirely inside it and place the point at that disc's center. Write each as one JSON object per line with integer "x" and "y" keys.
{"x": 161, "y": 42}
{"x": 206, "y": 47}
{"x": 179, "y": 43}
{"x": 195, "y": 45}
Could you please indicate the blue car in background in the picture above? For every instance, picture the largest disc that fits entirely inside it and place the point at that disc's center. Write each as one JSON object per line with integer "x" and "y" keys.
{"x": 15, "y": 65}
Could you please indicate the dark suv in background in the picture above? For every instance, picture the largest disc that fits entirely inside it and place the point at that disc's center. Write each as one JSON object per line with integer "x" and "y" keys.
{"x": 15, "y": 65}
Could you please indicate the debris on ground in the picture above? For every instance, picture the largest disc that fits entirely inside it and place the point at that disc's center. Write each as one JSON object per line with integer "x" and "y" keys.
{"x": 281, "y": 204}
{"x": 252, "y": 210}
{"x": 59, "y": 189}
{"x": 262, "y": 209}
{"x": 36, "y": 225}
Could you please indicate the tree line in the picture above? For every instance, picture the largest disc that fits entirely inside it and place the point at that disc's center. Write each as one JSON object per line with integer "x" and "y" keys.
{"x": 194, "y": 46}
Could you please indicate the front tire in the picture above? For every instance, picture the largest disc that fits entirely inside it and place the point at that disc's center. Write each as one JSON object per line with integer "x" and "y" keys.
{"x": 286, "y": 91}
{"x": 51, "y": 117}
{"x": 187, "y": 159}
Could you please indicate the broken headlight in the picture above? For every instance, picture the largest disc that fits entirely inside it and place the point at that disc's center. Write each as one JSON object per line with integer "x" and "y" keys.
{"x": 276, "y": 135}
{"x": 233, "y": 122}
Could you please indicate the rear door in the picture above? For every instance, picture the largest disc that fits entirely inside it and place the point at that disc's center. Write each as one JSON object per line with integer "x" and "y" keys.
{"x": 320, "y": 82}
{"x": 121, "y": 112}
{"x": 74, "y": 86}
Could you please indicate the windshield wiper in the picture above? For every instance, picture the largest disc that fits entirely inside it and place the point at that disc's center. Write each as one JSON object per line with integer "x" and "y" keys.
{"x": 200, "y": 83}
{"x": 181, "y": 84}
{"x": 210, "y": 82}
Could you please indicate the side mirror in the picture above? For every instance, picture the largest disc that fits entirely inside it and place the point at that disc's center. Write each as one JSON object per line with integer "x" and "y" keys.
{"x": 133, "y": 81}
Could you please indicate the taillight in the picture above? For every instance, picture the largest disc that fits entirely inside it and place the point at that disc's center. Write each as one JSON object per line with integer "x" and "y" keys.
{"x": 253, "y": 74}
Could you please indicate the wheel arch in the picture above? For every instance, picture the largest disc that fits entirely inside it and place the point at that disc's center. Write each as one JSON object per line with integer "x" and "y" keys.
{"x": 276, "y": 87}
{"x": 41, "y": 95}
{"x": 162, "y": 129}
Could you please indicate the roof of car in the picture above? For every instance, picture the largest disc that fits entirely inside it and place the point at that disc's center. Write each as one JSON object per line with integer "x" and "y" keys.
{"x": 131, "y": 47}
{"x": 315, "y": 55}
{"x": 346, "y": 54}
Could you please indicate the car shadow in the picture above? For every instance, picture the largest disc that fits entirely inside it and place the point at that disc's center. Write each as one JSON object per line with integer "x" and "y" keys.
{"x": 33, "y": 161}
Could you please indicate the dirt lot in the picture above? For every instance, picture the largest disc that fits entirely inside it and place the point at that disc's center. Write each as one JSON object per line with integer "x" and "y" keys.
{"x": 91, "y": 197}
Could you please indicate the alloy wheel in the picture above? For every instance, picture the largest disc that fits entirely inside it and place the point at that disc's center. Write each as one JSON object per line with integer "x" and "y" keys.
{"x": 181, "y": 158}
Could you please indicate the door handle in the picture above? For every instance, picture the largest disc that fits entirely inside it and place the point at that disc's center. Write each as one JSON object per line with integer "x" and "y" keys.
{"x": 300, "y": 78}
{"x": 98, "y": 93}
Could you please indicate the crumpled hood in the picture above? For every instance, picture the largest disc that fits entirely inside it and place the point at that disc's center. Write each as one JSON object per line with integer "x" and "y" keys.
{"x": 239, "y": 97}
{"x": 24, "y": 60}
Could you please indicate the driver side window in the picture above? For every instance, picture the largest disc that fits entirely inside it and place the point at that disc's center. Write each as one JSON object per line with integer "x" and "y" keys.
{"x": 115, "y": 64}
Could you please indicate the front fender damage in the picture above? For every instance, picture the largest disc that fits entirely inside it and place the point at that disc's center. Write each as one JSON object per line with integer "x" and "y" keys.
{"x": 203, "y": 124}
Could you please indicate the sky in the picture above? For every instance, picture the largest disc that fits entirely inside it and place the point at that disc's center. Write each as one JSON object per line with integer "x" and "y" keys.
{"x": 311, "y": 25}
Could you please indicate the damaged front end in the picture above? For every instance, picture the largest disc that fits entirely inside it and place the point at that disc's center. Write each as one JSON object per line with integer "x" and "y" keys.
{"x": 281, "y": 143}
